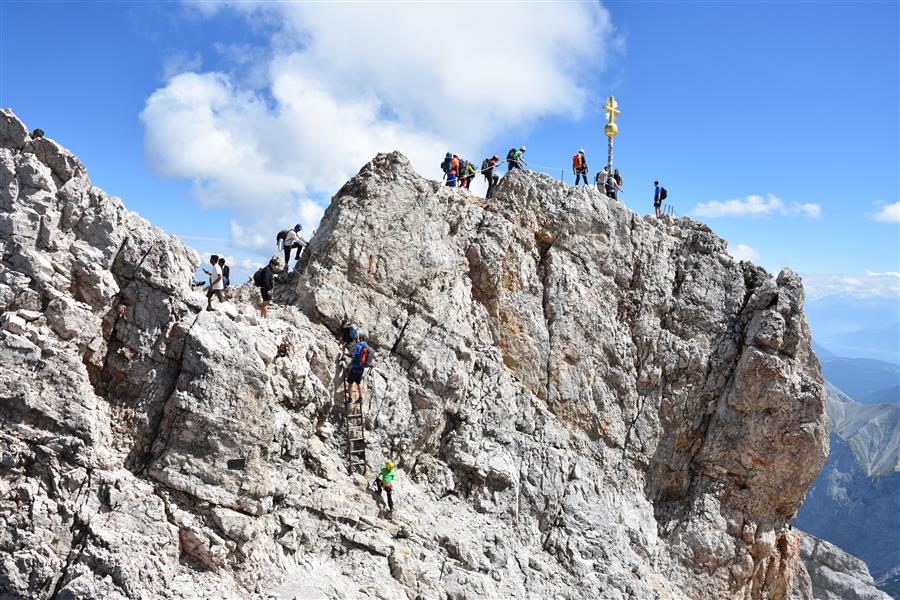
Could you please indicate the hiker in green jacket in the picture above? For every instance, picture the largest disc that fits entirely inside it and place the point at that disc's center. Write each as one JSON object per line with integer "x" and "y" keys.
{"x": 385, "y": 481}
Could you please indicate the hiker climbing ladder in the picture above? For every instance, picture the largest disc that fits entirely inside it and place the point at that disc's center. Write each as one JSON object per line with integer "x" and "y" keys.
{"x": 356, "y": 433}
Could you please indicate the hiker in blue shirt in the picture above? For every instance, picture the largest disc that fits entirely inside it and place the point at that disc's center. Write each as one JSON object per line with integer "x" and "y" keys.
{"x": 360, "y": 357}
{"x": 659, "y": 194}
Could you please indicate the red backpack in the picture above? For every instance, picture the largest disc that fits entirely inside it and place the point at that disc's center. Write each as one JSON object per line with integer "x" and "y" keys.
{"x": 577, "y": 161}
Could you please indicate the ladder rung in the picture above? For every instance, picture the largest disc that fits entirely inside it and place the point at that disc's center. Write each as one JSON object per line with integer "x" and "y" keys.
{"x": 357, "y": 439}
{"x": 358, "y": 451}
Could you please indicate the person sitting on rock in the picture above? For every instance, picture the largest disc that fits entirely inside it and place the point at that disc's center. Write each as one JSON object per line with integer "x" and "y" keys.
{"x": 359, "y": 362}
{"x": 385, "y": 482}
{"x": 216, "y": 285}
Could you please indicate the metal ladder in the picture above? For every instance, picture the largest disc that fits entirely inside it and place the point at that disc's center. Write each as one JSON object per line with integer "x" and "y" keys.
{"x": 356, "y": 434}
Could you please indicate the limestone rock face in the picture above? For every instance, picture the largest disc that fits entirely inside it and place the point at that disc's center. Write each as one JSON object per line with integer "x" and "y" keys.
{"x": 581, "y": 402}
{"x": 835, "y": 574}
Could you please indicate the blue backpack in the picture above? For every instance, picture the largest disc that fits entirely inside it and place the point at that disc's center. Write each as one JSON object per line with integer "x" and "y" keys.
{"x": 361, "y": 356}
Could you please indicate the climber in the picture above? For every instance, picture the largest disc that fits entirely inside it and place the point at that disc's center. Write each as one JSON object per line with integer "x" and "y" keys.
{"x": 612, "y": 188}
{"x": 349, "y": 333}
{"x": 216, "y": 285}
{"x": 37, "y": 134}
{"x": 487, "y": 169}
{"x": 461, "y": 173}
{"x": 226, "y": 272}
{"x": 453, "y": 171}
{"x": 385, "y": 482}
{"x": 469, "y": 171}
{"x": 293, "y": 240}
{"x": 445, "y": 164}
{"x": 600, "y": 180}
{"x": 360, "y": 360}
{"x": 580, "y": 167}
{"x": 659, "y": 194}
{"x": 514, "y": 159}
{"x": 618, "y": 177}
{"x": 264, "y": 280}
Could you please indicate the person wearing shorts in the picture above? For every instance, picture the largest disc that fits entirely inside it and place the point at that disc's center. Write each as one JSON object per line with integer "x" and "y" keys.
{"x": 359, "y": 357}
{"x": 216, "y": 283}
{"x": 265, "y": 289}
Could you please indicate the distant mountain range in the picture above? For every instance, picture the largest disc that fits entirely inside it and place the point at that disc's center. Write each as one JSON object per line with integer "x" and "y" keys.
{"x": 854, "y": 501}
{"x": 857, "y": 327}
{"x": 866, "y": 380}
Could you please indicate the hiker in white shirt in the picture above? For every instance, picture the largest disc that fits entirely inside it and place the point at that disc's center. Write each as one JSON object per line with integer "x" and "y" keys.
{"x": 293, "y": 240}
{"x": 216, "y": 282}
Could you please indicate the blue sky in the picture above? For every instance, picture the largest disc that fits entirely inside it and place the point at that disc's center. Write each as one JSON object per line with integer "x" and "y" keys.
{"x": 720, "y": 101}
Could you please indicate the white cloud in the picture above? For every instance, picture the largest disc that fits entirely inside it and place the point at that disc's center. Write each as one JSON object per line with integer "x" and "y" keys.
{"x": 756, "y": 206}
{"x": 745, "y": 252}
{"x": 889, "y": 213}
{"x": 871, "y": 284}
{"x": 343, "y": 82}
{"x": 810, "y": 210}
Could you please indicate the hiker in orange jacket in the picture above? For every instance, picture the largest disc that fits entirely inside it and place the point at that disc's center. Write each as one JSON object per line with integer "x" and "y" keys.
{"x": 580, "y": 167}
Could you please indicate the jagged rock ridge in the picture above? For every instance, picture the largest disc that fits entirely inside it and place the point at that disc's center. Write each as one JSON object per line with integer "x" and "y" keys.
{"x": 582, "y": 402}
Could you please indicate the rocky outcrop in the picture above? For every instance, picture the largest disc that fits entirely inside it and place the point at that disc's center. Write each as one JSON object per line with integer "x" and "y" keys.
{"x": 835, "y": 574}
{"x": 581, "y": 401}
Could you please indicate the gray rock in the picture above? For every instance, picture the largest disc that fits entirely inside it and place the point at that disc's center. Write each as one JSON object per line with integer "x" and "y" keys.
{"x": 835, "y": 574}
{"x": 581, "y": 402}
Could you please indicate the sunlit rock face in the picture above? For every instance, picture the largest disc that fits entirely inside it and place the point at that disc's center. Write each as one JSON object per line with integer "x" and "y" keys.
{"x": 582, "y": 402}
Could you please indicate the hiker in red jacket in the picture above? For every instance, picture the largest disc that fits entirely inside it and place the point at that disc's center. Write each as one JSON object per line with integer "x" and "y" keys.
{"x": 580, "y": 167}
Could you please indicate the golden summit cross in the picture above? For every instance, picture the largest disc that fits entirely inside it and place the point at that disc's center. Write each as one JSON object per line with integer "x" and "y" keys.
{"x": 611, "y": 108}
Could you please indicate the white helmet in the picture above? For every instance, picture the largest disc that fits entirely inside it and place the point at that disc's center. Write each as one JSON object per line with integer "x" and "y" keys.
{"x": 581, "y": 151}
{"x": 522, "y": 148}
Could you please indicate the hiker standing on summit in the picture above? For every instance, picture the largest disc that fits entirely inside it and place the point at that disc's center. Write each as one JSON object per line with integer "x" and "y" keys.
{"x": 659, "y": 194}
{"x": 580, "y": 167}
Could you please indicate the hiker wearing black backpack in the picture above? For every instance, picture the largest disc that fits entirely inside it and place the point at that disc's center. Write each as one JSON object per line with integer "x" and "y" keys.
{"x": 467, "y": 172}
{"x": 361, "y": 357}
{"x": 487, "y": 169}
{"x": 264, "y": 279}
{"x": 659, "y": 194}
{"x": 514, "y": 159}
{"x": 580, "y": 167}
{"x": 226, "y": 272}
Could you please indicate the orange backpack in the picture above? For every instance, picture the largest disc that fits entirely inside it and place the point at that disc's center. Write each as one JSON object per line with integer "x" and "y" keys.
{"x": 577, "y": 161}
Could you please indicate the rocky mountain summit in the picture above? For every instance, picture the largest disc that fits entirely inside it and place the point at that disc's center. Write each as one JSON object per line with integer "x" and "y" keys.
{"x": 582, "y": 402}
